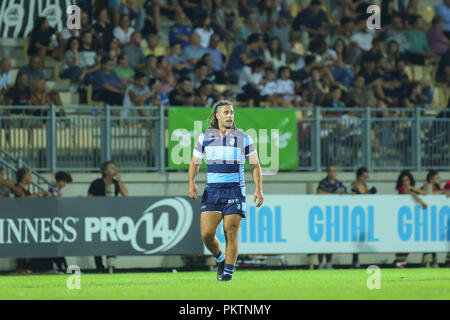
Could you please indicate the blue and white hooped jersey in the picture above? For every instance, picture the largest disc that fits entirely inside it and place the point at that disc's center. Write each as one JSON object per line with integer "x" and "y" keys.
{"x": 225, "y": 157}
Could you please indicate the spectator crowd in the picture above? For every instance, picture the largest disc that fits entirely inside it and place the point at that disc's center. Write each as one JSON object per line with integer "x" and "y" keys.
{"x": 253, "y": 51}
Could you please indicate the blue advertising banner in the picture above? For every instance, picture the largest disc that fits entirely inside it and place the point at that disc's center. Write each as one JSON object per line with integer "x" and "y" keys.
{"x": 344, "y": 224}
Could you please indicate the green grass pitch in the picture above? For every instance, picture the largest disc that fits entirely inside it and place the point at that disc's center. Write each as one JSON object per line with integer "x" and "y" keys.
{"x": 246, "y": 285}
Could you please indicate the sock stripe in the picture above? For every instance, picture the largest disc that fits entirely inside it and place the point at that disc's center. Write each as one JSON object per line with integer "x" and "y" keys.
{"x": 220, "y": 257}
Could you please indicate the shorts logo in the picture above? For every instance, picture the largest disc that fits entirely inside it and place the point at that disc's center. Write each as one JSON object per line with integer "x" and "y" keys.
{"x": 202, "y": 207}
{"x": 231, "y": 201}
{"x": 238, "y": 206}
{"x": 231, "y": 142}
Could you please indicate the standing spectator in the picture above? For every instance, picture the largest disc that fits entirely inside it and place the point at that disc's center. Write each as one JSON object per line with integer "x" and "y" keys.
{"x": 134, "y": 51}
{"x": 107, "y": 85}
{"x": 62, "y": 179}
{"x": 109, "y": 185}
{"x": 436, "y": 38}
{"x": 23, "y": 180}
{"x": 41, "y": 43}
{"x": 274, "y": 54}
{"x": 205, "y": 31}
{"x": 123, "y": 32}
{"x": 359, "y": 186}
{"x": 405, "y": 185}
{"x": 330, "y": 185}
{"x": 180, "y": 31}
{"x": 443, "y": 10}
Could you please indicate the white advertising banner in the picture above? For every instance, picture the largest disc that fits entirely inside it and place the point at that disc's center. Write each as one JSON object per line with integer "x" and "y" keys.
{"x": 344, "y": 224}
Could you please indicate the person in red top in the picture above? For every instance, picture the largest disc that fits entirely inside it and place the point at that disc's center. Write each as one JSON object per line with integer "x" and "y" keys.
{"x": 405, "y": 185}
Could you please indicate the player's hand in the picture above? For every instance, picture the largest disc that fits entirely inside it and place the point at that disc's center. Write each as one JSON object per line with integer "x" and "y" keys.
{"x": 258, "y": 196}
{"x": 193, "y": 192}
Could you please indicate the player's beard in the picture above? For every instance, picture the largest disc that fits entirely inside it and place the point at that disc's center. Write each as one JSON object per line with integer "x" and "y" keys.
{"x": 228, "y": 125}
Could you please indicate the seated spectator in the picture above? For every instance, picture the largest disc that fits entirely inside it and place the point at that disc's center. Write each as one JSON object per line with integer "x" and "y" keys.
{"x": 41, "y": 43}
{"x": 71, "y": 63}
{"x": 361, "y": 40}
{"x": 123, "y": 69}
{"x": 206, "y": 94}
{"x": 317, "y": 86}
{"x": 227, "y": 20}
{"x": 396, "y": 83}
{"x": 134, "y": 51}
{"x": 135, "y": 11}
{"x": 250, "y": 83}
{"x": 208, "y": 60}
{"x": 183, "y": 94}
{"x": 165, "y": 75}
{"x": 285, "y": 86}
{"x": 443, "y": 10}
{"x": 18, "y": 95}
{"x": 179, "y": 64}
{"x": 359, "y": 186}
{"x": 114, "y": 50}
{"x": 388, "y": 12}
{"x": 89, "y": 57}
{"x": 5, "y": 77}
{"x": 282, "y": 31}
{"x": 138, "y": 95}
{"x": 205, "y": 31}
{"x": 345, "y": 29}
{"x": 437, "y": 41}
{"x": 359, "y": 96}
{"x": 193, "y": 52}
{"x": 104, "y": 28}
{"x": 433, "y": 184}
{"x": 200, "y": 73}
{"x": 405, "y": 185}
{"x": 218, "y": 59}
{"x": 414, "y": 97}
{"x": 274, "y": 54}
{"x": 153, "y": 46}
{"x": 309, "y": 22}
{"x": 180, "y": 31}
{"x": 443, "y": 69}
{"x": 123, "y": 31}
{"x": 269, "y": 89}
{"x": 42, "y": 96}
{"x": 243, "y": 55}
{"x": 33, "y": 70}
{"x": 107, "y": 85}
{"x": 6, "y": 186}
{"x": 335, "y": 60}
{"x": 417, "y": 40}
{"x": 392, "y": 54}
{"x": 251, "y": 26}
{"x": 151, "y": 68}
{"x": 333, "y": 99}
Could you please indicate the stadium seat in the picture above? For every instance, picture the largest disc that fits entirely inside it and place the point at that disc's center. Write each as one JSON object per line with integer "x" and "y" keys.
{"x": 409, "y": 72}
{"x": 294, "y": 9}
{"x": 427, "y": 13}
{"x": 56, "y": 74}
{"x": 440, "y": 97}
{"x": 298, "y": 49}
{"x": 26, "y": 45}
{"x": 221, "y": 87}
{"x": 91, "y": 102}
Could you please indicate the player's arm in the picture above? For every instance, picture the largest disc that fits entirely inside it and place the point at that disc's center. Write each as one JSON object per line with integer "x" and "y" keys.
{"x": 197, "y": 157}
{"x": 257, "y": 178}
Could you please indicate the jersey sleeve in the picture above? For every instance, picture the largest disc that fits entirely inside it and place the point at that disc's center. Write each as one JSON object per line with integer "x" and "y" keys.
{"x": 199, "y": 149}
{"x": 249, "y": 146}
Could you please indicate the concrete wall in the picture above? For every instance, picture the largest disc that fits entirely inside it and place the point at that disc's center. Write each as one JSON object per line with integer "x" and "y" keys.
{"x": 175, "y": 184}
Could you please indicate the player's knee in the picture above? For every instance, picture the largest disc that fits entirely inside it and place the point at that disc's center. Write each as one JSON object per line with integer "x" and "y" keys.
{"x": 231, "y": 232}
{"x": 208, "y": 236}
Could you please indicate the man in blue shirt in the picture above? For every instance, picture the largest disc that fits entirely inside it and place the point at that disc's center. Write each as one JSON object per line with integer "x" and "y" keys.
{"x": 225, "y": 148}
{"x": 443, "y": 10}
{"x": 107, "y": 85}
{"x": 181, "y": 31}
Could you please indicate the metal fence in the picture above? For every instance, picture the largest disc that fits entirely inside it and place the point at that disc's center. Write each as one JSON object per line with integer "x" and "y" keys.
{"x": 380, "y": 139}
